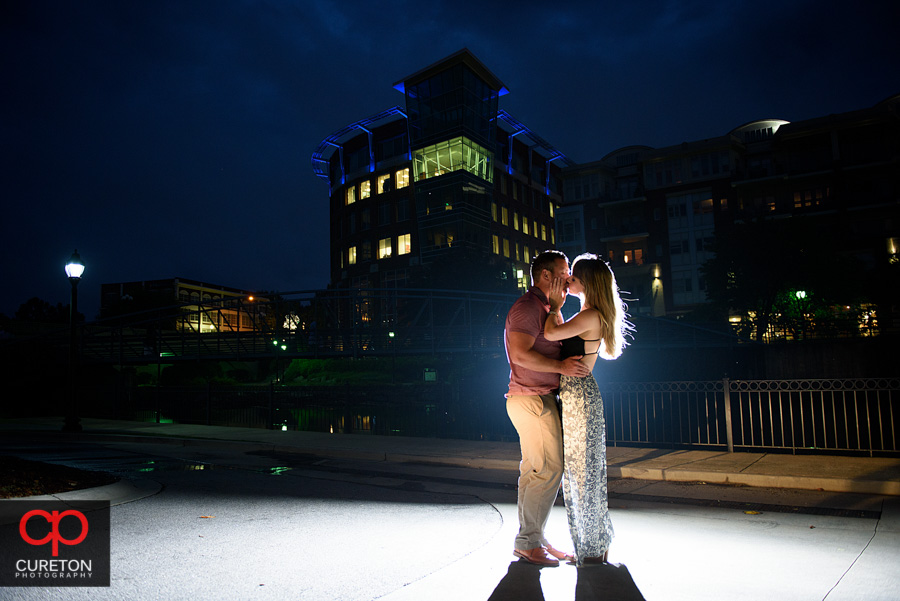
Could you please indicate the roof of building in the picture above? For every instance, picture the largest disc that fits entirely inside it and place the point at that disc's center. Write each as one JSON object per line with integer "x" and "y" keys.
{"x": 462, "y": 56}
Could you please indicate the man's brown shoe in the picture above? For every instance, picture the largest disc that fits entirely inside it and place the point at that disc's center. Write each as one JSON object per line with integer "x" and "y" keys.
{"x": 537, "y": 556}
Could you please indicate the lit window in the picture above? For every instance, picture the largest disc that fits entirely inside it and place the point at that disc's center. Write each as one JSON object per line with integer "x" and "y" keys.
{"x": 351, "y": 196}
{"x": 496, "y": 246}
{"x": 534, "y": 231}
{"x": 544, "y": 233}
{"x": 516, "y": 220}
{"x": 524, "y": 225}
{"x": 402, "y": 178}
{"x": 453, "y": 155}
{"x": 504, "y": 216}
{"x": 494, "y": 211}
{"x": 552, "y": 209}
{"x": 351, "y": 255}
{"x": 527, "y": 254}
{"x": 518, "y": 253}
{"x": 404, "y": 244}
{"x": 384, "y": 248}
{"x": 383, "y": 184}
{"x": 553, "y": 237}
{"x": 365, "y": 189}
{"x": 506, "y": 248}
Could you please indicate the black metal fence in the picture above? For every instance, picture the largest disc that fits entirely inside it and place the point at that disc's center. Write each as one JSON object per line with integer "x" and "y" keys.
{"x": 829, "y": 416}
{"x": 851, "y": 415}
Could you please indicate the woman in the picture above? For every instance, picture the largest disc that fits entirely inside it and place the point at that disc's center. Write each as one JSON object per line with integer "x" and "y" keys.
{"x": 599, "y": 328}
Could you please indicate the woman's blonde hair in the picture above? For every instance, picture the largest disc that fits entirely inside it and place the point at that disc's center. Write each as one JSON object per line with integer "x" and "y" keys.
{"x": 602, "y": 293}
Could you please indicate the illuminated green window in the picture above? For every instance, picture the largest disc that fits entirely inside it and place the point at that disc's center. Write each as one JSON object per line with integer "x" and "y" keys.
{"x": 452, "y": 155}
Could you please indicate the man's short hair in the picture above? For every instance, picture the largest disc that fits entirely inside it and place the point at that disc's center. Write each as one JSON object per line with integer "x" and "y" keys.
{"x": 545, "y": 260}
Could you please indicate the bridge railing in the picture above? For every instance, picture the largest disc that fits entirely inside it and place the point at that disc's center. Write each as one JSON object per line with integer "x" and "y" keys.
{"x": 313, "y": 323}
{"x": 348, "y": 322}
{"x": 823, "y": 416}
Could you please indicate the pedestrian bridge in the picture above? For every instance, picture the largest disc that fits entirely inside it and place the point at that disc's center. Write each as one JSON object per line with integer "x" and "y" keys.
{"x": 333, "y": 323}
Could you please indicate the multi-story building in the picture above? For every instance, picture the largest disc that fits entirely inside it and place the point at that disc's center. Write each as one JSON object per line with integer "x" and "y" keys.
{"x": 655, "y": 213}
{"x": 195, "y": 306}
{"x": 449, "y": 190}
{"x": 446, "y": 191}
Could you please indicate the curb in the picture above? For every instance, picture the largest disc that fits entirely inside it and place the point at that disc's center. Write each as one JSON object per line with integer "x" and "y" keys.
{"x": 838, "y": 485}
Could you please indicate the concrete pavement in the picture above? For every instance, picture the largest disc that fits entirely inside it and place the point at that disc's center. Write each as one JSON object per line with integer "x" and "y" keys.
{"x": 448, "y": 535}
{"x": 861, "y": 475}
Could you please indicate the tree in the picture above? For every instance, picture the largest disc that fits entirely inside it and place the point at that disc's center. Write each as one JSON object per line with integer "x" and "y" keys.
{"x": 38, "y": 310}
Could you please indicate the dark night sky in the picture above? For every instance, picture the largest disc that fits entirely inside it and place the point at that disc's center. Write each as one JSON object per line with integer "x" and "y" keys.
{"x": 173, "y": 138}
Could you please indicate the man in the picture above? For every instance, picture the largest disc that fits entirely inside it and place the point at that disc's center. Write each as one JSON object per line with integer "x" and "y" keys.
{"x": 531, "y": 404}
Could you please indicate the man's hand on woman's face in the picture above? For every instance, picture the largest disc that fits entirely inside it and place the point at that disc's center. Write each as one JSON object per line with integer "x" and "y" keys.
{"x": 558, "y": 289}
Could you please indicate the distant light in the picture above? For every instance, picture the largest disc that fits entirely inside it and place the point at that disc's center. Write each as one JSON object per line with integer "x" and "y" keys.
{"x": 250, "y": 298}
{"x": 390, "y": 334}
{"x": 284, "y": 347}
{"x": 800, "y": 294}
{"x": 284, "y": 428}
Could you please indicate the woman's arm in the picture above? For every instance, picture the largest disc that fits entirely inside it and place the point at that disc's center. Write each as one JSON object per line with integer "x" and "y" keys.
{"x": 579, "y": 324}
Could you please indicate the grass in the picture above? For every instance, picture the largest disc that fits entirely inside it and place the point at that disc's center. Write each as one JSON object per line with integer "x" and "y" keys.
{"x": 23, "y": 478}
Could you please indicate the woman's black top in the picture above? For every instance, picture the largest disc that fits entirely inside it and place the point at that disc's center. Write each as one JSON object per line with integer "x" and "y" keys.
{"x": 575, "y": 346}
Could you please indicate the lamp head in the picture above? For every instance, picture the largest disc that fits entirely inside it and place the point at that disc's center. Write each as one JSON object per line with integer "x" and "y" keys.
{"x": 74, "y": 267}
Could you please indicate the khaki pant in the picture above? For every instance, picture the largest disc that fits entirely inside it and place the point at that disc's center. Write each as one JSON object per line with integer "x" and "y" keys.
{"x": 536, "y": 419}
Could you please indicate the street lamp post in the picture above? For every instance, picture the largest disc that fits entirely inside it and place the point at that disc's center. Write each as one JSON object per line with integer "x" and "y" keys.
{"x": 74, "y": 270}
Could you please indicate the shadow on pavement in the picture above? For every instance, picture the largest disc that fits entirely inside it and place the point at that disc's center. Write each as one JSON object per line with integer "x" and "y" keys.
{"x": 609, "y": 582}
{"x": 521, "y": 583}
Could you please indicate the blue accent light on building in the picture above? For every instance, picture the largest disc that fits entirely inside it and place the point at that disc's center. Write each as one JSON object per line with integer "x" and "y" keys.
{"x": 400, "y": 86}
{"x": 320, "y": 162}
{"x": 516, "y": 128}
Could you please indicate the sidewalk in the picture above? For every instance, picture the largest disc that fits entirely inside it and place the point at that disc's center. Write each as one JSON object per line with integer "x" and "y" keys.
{"x": 865, "y": 475}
